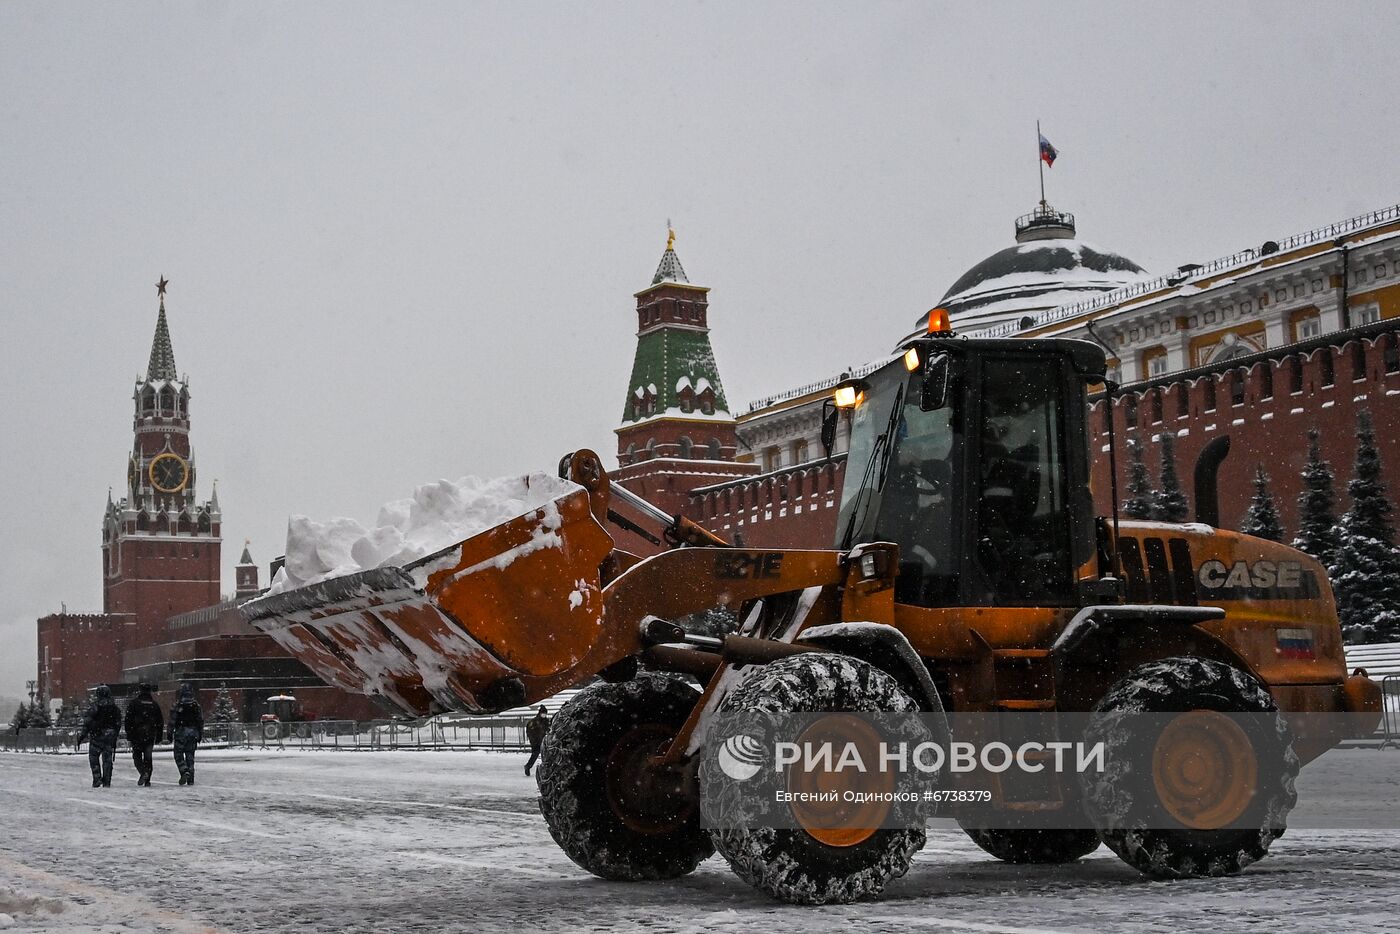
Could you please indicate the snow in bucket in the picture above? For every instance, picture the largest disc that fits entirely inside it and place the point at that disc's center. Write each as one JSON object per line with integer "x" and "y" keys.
{"x": 436, "y": 516}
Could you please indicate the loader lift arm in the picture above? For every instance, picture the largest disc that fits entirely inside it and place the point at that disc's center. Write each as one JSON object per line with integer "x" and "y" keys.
{"x": 586, "y": 469}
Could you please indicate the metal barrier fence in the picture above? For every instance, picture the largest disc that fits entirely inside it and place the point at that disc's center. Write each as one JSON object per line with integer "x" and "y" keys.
{"x": 1390, "y": 715}
{"x": 438, "y": 733}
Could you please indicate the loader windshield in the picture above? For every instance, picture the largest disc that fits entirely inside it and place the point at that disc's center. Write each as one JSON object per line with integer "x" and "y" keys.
{"x": 900, "y": 485}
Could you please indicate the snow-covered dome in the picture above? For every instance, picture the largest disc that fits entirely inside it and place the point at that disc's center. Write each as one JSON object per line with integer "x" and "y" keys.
{"x": 1048, "y": 267}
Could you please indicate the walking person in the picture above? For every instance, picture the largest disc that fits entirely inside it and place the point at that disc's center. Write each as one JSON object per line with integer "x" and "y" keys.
{"x": 145, "y": 724}
{"x": 534, "y": 732}
{"x": 102, "y": 724}
{"x": 186, "y": 730}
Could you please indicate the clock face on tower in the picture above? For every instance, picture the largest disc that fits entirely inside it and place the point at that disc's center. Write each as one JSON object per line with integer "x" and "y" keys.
{"x": 169, "y": 473}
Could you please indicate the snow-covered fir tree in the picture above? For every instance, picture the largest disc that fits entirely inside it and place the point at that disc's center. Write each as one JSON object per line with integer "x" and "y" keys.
{"x": 224, "y": 711}
{"x": 1366, "y": 573}
{"x": 1138, "y": 505}
{"x": 20, "y": 720}
{"x": 1261, "y": 519}
{"x": 1169, "y": 502}
{"x": 1317, "y": 506}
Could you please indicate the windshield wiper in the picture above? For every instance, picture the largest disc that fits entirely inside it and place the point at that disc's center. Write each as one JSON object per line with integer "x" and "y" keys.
{"x": 879, "y": 453}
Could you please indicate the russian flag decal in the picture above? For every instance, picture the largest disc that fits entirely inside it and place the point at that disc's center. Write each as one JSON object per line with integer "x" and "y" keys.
{"x": 1295, "y": 643}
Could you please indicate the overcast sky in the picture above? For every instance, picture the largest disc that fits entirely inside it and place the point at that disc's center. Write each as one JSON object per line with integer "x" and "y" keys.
{"x": 402, "y": 239}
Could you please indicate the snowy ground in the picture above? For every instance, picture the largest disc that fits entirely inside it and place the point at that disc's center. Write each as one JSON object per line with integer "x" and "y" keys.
{"x": 452, "y": 841}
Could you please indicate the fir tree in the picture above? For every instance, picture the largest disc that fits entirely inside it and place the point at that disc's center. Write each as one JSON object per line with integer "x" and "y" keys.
{"x": 1169, "y": 502}
{"x": 69, "y": 717}
{"x": 1317, "y": 507}
{"x": 224, "y": 711}
{"x": 20, "y": 720}
{"x": 1366, "y": 573}
{"x": 39, "y": 717}
{"x": 1138, "y": 505}
{"x": 1261, "y": 519}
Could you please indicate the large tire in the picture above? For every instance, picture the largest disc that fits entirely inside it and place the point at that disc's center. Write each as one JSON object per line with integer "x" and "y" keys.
{"x": 791, "y": 864}
{"x": 600, "y": 802}
{"x": 1136, "y": 803}
{"x": 1035, "y": 845}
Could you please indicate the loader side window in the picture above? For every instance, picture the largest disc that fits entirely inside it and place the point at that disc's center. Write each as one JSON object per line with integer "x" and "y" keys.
{"x": 1023, "y": 543}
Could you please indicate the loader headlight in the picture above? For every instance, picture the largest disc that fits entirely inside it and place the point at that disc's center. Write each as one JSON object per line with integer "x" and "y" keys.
{"x": 850, "y": 393}
{"x": 911, "y": 359}
{"x": 868, "y": 566}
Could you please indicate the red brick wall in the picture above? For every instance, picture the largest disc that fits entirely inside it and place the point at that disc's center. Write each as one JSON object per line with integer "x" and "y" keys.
{"x": 791, "y": 508}
{"x": 83, "y": 649}
{"x": 1268, "y": 428}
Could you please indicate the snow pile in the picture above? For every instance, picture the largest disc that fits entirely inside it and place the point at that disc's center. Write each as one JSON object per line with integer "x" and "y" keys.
{"x": 438, "y": 515}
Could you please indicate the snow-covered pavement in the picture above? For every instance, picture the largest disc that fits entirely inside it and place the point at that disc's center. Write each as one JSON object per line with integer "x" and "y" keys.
{"x": 452, "y": 841}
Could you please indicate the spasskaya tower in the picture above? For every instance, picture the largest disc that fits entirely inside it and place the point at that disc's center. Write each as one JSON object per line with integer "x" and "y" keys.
{"x": 160, "y": 545}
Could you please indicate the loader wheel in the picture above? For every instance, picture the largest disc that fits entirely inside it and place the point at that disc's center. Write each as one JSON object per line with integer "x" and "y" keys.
{"x": 815, "y": 862}
{"x": 1035, "y": 845}
{"x": 608, "y": 810}
{"x": 1187, "y": 790}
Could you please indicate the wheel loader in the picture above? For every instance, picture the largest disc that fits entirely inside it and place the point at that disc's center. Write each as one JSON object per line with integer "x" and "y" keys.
{"x": 969, "y": 574}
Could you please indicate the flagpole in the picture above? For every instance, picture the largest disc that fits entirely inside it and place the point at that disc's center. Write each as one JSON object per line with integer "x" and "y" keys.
{"x": 1040, "y": 162}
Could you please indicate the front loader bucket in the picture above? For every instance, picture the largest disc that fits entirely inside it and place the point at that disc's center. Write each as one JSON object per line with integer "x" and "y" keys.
{"x": 457, "y": 629}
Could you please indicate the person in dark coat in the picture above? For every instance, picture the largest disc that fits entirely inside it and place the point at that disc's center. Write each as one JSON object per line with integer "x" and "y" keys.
{"x": 101, "y": 726}
{"x": 145, "y": 724}
{"x": 186, "y": 730}
{"x": 534, "y": 732}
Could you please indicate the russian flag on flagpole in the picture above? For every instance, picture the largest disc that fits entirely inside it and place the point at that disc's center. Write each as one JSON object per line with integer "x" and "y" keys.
{"x": 1047, "y": 152}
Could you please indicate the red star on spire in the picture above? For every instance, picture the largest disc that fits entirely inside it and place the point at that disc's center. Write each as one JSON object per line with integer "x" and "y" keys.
{"x": 160, "y": 286}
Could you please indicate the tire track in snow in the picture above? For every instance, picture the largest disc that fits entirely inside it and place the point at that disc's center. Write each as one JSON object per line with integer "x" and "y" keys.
{"x": 901, "y": 922}
{"x": 488, "y": 866}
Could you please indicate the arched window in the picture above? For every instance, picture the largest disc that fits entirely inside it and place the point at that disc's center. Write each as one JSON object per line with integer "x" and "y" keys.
{"x": 148, "y": 400}
{"x": 651, "y": 448}
{"x": 167, "y": 400}
{"x": 631, "y": 452}
{"x": 714, "y": 449}
{"x": 185, "y": 403}
{"x": 686, "y": 444}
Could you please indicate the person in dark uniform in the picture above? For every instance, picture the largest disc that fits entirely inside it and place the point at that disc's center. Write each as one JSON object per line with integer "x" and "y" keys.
{"x": 101, "y": 726}
{"x": 534, "y": 732}
{"x": 144, "y": 725}
{"x": 186, "y": 730}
